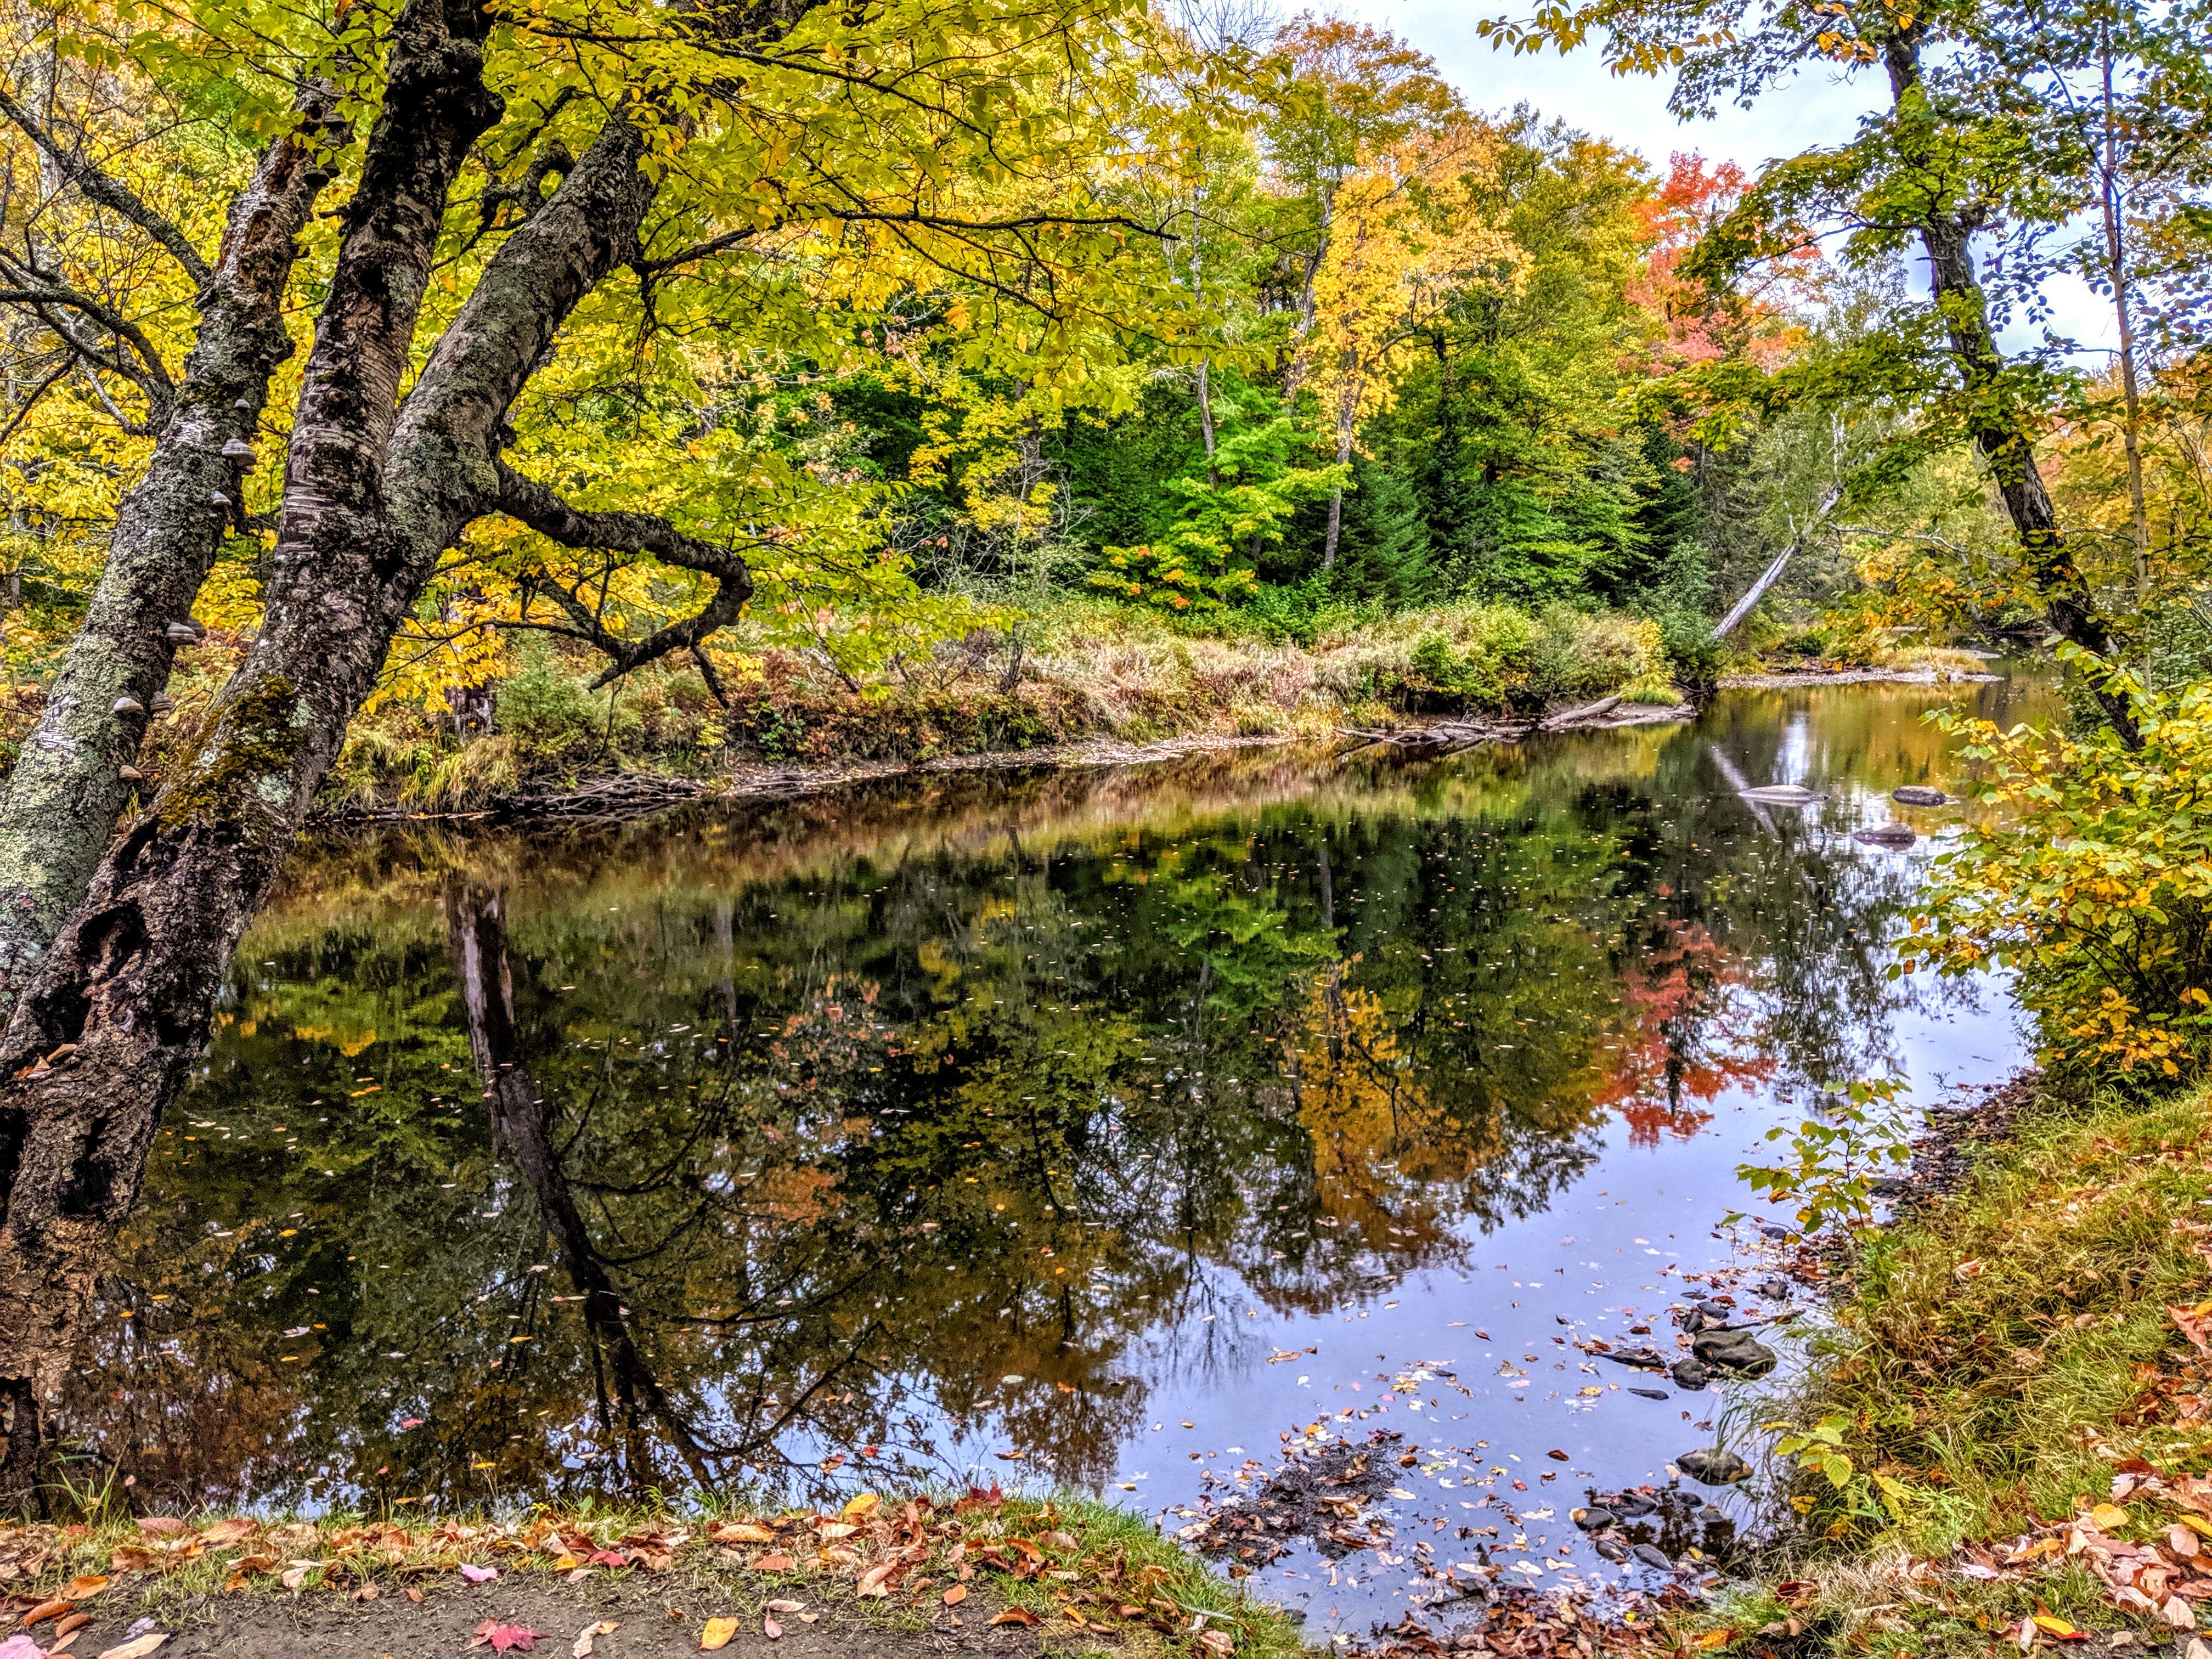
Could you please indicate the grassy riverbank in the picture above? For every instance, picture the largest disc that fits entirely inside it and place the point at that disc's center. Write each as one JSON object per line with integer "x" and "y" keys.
{"x": 2017, "y": 1382}
{"x": 880, "y": 1580}
{"x": 1084, "y": 671}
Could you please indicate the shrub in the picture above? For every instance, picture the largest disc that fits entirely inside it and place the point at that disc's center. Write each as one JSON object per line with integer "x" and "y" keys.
{"x": 545, "y": 707}
{"x": 2095, "y": 886}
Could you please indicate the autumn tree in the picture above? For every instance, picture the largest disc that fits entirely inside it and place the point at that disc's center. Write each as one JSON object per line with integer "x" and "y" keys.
{"x": 1961, "y": 164}
{"x": 515, "y": 165}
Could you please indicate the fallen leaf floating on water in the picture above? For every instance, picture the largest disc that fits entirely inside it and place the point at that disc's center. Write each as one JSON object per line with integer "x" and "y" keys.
{"x": 582, "y": 1649}
{"x": 505, "y": 1638}
{"x": 137, "y": 1650}
{"x": 717, "y": 1634}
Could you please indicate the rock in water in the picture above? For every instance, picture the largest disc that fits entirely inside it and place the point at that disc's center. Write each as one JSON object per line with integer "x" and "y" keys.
{"x": 1783, "y": 794}
{"x": 1593, "y": 1519}
{"x": 1885, "y": 835}
{"x": 1918, "y": 794}
{"x": 1690, "y": 1373}
{"x": 1713, "y": 1466}
{"x": 1738, "y": 1352}
{"x": 1652, "y": 1556}
{"x": 1651, "y": 1394}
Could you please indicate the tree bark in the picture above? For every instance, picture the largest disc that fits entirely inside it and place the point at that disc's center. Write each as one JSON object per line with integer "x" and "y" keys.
{"x": 102, "y": 1035}
{"x": 67, "y": 788}
{"x": 1996, "y": 424}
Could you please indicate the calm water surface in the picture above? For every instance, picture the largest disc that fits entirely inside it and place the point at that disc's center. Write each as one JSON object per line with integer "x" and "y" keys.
{"x": 1106, "y": 1128}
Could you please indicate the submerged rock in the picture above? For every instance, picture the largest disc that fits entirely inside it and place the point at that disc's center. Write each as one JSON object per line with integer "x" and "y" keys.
{"x": 1885, "y": 835}
{"x": 1918, "y": 794}
{"x": 1738, "y": 1352}
{"x": 1651, "y": 1394}
{"x": 1652, "y": 1556}
{"x": 1713, "y": 1466}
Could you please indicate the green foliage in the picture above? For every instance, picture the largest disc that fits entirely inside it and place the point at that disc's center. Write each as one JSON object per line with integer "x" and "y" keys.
{"x": 546, "y": 706}
{"x": 2091, "y": 880}
{"x": 1836, "y": 1158}
{"x": 1205, "y": 559}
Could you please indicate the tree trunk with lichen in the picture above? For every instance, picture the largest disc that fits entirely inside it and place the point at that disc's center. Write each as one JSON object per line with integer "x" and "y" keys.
{"x": 102, "y": 1036}
{"x": 62, "y": 800}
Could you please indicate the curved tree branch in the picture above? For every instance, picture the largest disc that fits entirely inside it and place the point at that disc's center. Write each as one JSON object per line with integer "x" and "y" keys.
{"x": 536, "y": 505}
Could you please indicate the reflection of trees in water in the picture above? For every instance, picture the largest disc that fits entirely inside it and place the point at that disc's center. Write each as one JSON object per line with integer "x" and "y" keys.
{"x": 818, "y": 1161}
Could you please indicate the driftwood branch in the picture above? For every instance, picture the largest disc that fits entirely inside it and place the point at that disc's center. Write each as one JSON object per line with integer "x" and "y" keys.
{"x": 1744, "y": 606}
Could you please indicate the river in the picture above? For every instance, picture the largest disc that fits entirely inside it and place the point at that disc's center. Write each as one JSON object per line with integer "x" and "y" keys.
{"x": 1107, "y": 1128}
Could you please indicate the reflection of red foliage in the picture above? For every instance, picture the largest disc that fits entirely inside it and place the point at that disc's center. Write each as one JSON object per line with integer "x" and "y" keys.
{"x": 1679, "y": 1050}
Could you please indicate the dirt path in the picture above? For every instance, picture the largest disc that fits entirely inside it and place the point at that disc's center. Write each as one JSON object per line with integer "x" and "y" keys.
{"x": 653, "y": 1621}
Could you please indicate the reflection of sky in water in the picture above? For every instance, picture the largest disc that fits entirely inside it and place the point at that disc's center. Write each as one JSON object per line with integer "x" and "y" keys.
{"x": 1448, "y": 1067}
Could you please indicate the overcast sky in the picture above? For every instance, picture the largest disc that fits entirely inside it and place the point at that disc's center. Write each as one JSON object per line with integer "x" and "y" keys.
{"x": 1818, "y": 108}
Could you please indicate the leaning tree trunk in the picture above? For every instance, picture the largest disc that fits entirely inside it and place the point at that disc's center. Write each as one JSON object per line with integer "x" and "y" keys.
{"x": 1995, "y": 422}
{"x": 102, "y": 1035}
{"x": 68, "y": 786}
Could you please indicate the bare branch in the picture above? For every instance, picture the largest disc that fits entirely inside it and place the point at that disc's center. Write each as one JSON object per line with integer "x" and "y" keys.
{"x": 109, "y": 192}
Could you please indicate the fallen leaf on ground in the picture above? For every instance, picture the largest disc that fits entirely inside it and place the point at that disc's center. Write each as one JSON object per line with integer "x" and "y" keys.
{"x": 742, "y": 1532}
{"x": 770, "y": 1628}
{"x": 771, "y": 1564}
{"x": 2052, "y": 1625}
{"x": 160, "y": 1523}
{"x": 1716, "y": 1639}
{"x": 477, "y": 1575}
{"x": 583, "y": 1647}
{"x": 47, "y": 1610}
{"x": 21, "y": 1647}
{"x": 137, "y": 1650}
{"x": 2108, "y": 1516}
{"x": 231, "y": 1531}
{"x": 871, "y": 1581}
{"x": 861, "y": 1504}
{"x": 1016, "y": 1616}
{"x": 956, "y": 1595}
{"x": 85, "y": 1587}
{"x": 505, "y": 1638}
{"x": 717, "y": 1634}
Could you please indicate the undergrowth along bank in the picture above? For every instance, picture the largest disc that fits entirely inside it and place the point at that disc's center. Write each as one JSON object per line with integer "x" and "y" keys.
{"x": 1080, "y": 670}
{"x": 2010, "y": 1420}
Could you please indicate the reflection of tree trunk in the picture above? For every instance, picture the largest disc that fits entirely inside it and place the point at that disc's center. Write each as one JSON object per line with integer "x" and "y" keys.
{"x": 522, "y": 1124}
{"x": 726, "y": 946}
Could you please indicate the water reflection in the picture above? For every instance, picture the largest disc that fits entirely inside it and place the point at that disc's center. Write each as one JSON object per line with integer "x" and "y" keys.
{"x": 887, "y": 1133}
